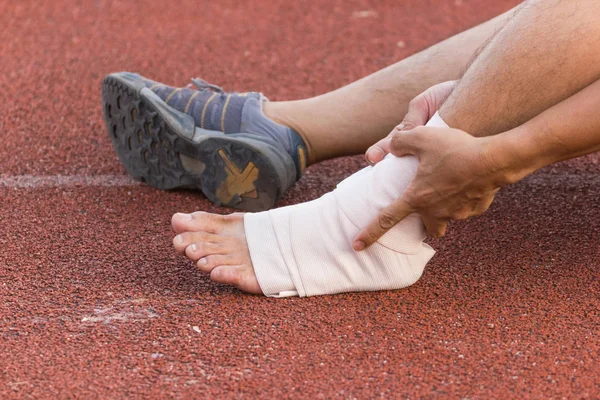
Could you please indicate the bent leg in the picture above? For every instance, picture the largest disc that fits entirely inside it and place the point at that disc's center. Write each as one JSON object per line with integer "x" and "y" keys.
{"x": 546, "y": 53}
{"x": 350, "y": 119}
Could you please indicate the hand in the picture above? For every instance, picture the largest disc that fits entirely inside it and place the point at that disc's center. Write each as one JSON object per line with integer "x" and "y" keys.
{"x": 457, "y": 177}
{"x": 420, "y": 110}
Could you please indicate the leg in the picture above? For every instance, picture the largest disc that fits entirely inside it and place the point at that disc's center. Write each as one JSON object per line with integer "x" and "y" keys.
{"x": 305, "y": 249}
{"x": 545, "y": 54}
{"x": 349, "y": 120}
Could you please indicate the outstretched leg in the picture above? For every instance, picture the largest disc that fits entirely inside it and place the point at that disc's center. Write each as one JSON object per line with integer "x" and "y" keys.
{"x": 305, "y": 249}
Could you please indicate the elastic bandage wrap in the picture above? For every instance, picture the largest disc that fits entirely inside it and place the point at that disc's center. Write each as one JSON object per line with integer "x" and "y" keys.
{"x": 306, "y": 249}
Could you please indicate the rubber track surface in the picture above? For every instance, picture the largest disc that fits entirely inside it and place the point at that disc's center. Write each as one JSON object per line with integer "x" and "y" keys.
{"x": 94, "y": 304}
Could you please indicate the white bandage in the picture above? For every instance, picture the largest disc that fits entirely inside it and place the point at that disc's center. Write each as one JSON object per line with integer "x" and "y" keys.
{"x": 306, "y": 249}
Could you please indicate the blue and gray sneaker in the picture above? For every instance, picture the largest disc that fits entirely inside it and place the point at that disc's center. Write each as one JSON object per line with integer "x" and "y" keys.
{"x": 201, "y": 138}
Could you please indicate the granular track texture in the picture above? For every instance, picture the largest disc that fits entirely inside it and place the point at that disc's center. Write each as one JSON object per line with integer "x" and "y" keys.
{"x": 95, "y": 304}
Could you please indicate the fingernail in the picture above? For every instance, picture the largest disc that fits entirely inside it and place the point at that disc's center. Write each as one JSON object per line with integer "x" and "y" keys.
{"x": 401, "y": 126}
{"x": 194, "y": 247}
{"x": 185, "y": 217}
{"x": 180, "y": 238}
{"x": 202, "y": 261}
{"x": 358, "y": 246}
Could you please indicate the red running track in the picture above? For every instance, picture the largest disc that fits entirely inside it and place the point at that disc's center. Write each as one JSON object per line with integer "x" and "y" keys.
{"x": 95, "y": 304}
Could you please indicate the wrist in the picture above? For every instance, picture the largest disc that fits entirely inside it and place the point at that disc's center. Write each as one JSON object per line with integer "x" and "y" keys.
{"x": 515, "y": 154}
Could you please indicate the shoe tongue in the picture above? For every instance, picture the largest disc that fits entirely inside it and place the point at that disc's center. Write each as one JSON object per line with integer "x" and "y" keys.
{"x": 201, "y": 84}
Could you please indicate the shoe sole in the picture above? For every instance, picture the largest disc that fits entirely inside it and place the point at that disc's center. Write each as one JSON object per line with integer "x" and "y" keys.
{"x": 163, "y": 148}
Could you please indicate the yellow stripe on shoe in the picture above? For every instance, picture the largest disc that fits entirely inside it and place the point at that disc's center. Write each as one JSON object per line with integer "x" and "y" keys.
{"x": 223, "y": 114}
{"x": 189, "y": 103}
{"x": 205, "y": 108}
{"x": 171, "y": 95}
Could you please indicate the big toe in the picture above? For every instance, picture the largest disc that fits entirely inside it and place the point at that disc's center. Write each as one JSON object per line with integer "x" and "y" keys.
{"x": 200, "y": 221}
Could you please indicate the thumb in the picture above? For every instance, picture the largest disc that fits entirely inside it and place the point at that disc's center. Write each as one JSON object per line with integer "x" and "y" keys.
{"x": 417, "y": 115}
{"x": 379, "y": 150}
{"x": 406, "y": 143}
{"x": 422, "y": 107}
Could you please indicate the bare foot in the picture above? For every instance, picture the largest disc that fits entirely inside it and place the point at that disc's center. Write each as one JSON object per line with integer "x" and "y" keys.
{"x": 217, "y": 243}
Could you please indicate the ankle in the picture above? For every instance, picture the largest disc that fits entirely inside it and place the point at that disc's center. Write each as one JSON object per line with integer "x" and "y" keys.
{"x": 282, "y": 113}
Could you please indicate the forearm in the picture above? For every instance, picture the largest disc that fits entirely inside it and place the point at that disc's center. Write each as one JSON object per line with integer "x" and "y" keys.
{"x": 567, "y": 130}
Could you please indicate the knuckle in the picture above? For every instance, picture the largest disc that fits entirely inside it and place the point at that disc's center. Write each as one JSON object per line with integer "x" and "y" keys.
{"x": 416, "y": 102}
{"x": 396, "y": 139}
{"x": 370, "y": 236}
{"x": 386, "y": 221}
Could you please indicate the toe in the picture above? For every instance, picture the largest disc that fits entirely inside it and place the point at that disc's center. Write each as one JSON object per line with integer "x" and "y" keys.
{"x": 198, "y": 221}
{"x": 185, "y": 239}
{"x": 208, "y": 263}
{"x": 197, "y": 250}
{"x": 239, "y": 276}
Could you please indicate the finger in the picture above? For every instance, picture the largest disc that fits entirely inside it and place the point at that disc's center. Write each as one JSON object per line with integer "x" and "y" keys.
{"x": 386, "y": 220}
{"x": 425, "y": 105}
{"x": 436, "y": 227}
{"x": 407, "y": 143}
{"x": 418, "y": 113}
{"x": 378, "y": 151}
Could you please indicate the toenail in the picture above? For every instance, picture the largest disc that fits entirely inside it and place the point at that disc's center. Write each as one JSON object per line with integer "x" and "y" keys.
{"x": 186, "y": 217}
{"x": 180, "y": 238}
{"x": 202, "y": 261}
{"x": 194, "y": 247}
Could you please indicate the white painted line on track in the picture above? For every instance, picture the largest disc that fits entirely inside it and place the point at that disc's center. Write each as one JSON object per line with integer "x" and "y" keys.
{"x": 49, "y": 181}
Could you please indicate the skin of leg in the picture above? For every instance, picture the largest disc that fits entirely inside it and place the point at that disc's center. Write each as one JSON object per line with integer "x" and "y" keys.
{"x": 218, "y": 243}
{"x": 546, "y": 52}
{"x": 350, "y": 119}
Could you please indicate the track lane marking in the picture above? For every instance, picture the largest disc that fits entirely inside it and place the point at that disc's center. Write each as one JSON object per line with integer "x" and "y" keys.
{"x": 50, "y": 181}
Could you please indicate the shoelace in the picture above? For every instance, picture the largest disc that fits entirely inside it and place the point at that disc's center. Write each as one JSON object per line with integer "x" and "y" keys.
{"x": 201, "y": 84}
